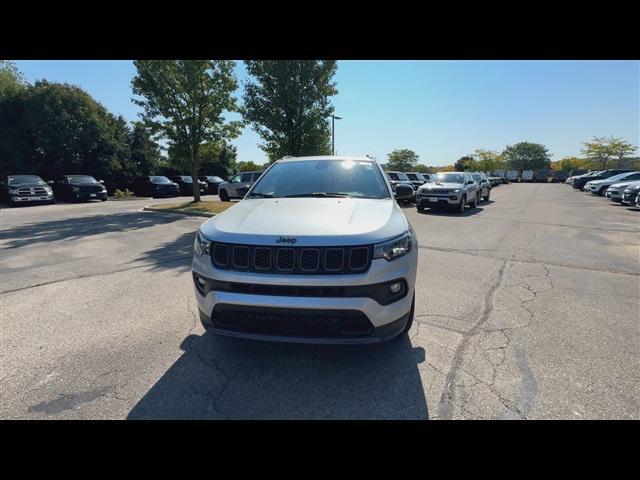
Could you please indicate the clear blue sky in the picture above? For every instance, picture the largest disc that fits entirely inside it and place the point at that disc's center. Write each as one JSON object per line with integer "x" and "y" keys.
{"x": 440, "y": 109}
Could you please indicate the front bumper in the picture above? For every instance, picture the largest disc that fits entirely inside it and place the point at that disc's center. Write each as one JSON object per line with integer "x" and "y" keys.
{"x": 385, "y": 321}
{"x": 89, "y": 195}
{"x": 31, "y": 198}
{"x": 424, "y": 200}
{"x": 614, "y": 195}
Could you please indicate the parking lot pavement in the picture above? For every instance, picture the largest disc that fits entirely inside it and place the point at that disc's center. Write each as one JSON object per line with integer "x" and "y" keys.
{"x": 526, "y": 307}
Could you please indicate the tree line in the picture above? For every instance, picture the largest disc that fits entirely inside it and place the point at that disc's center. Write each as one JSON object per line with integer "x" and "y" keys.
{"x": 599, "y": 153}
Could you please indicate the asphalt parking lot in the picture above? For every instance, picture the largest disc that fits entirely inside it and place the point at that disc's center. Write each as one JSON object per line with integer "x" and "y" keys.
{"x": 526, "y": 307}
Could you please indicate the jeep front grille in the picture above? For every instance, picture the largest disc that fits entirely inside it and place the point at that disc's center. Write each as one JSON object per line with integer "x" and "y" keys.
{"x": 296, "y": 260}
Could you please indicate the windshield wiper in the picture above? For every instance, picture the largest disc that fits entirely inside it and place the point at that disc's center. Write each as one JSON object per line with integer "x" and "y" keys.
{"x": 318, "y": 194}
{"x": 261, "y": 195}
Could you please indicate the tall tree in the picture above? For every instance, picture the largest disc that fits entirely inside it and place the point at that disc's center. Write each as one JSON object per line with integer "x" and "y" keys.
{"x": 185, "y": 101}
{"x": 403, "y": 160}
{"x": 288, "y": 104}
{"x": 488, "y": 160}
{"x": 11, "y": 79}
{"x": 620, "y": 148}
{"x": 527, "y": 156}
{"x": 145, "y": 152}
{"x": 599, "y": 151}
{"x": 462, "y": 163}
{"x": 249, "y": 166}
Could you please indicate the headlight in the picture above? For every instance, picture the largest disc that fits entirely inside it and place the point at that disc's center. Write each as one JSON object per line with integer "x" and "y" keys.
{"x": 202, "y": 246}
{"x": 75, "y": 189}
{"x": 13, "y": 190}
{"x": 456, "y": 190}
{"x": 48, "y": 190}
{"x": 394, "y": 248}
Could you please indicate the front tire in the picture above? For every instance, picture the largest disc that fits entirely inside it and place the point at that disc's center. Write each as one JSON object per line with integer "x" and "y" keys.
{"x": 462, "y": 204}
{"x": 486, "y": 199}
{"x": 474, "y": 204}
{"x": 224, "y": 196}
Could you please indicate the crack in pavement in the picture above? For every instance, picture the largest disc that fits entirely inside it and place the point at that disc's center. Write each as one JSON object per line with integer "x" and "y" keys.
{"x": 447, "y": 399}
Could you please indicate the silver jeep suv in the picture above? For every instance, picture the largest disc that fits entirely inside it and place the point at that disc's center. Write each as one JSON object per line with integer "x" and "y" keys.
{"x": 448, "y": 189}
{"x": 318, "y": 251}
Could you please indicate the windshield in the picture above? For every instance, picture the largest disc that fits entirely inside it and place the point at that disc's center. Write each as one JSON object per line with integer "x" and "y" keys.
{"x": 81, "y": 179}
{"x": 448, "y": 177}
{"x": 214, "y": 179}
{"x": 619, "y": 176}
{"x": 186, "y": 179}
{"x": 19, "y": 179}
{"x": 158, "y": 179}
{"x": 321, "y": 178}
{"x": 412, "y": 176}
{"x": 477, "y": 176}
{"x": 397, "y": 176}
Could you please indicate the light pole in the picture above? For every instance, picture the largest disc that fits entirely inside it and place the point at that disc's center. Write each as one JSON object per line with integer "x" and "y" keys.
{"x": 333, "y": 133}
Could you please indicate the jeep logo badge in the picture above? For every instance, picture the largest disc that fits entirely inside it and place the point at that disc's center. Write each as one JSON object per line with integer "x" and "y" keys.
{"x": 286, "y": 240}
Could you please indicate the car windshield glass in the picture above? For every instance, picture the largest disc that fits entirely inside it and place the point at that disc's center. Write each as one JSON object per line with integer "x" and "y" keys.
{"x": 81, "y": 179}
{"x": 186, "y": 179}
{"x": 322, "y": 178}
{"x": 476, "y": 176}
{"x": 448, "y": 177}
{"x": 412, "y": 176}
{"x": 158, "y": 179}
{"x": 619, "y": 176}
{"x": 19, "y": 179}
{"x": 215, "y": 179}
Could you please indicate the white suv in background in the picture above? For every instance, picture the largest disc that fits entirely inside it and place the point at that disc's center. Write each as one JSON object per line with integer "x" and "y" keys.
{"x": 317, "y": 252}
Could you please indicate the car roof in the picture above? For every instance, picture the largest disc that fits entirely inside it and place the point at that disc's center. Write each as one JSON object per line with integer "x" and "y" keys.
{"x": 326, "y": 157}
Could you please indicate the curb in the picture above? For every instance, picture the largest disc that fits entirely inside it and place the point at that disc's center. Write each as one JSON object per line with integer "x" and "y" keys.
{"x": 180, "y": 212}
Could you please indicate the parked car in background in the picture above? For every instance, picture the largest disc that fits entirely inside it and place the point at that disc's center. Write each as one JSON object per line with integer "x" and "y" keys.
{"x": 512, "y": 175}
{"x": 23, "y": 189}
{"x": 542, "y": 176}
{"x": 155, "y": 186}
{"x": 580, "y": 182}
{"x": 494, "y": 179}
{"x": 614, "y": 192}
{"x": 448, "y": 189}
{"x": 416, "y": 179}
{"x": 527, "y": 175}
{"x": 237, "y": 186}
{"x": 573, "y": 178}
{"x": 599, "y": 186}
{"x": 401, "y": 178}
{"x": 213, "y": 182}
{"x": 185, "y": 183}
{"x": 76, "y": 188}
{"x": 560, "y": 177}
{"x": 484, "y": 186}
{"x": 317, "y": 252}
{"x": 630, "y": 193}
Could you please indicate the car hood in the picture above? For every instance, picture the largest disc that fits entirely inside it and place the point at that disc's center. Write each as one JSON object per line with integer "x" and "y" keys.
{"x": 442, "y": 185}
{"x": 86, "y": 184}
{"x": 310, "y": 221}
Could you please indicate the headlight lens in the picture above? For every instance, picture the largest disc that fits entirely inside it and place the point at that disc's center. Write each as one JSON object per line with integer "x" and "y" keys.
{"x": 202, "y": 246}
{"x": 456, "y": 190}
{"x": 394, "y": 248}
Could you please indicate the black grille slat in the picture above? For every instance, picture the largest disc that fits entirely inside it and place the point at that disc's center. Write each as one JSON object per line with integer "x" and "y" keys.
{"x": 310, "y": 259}
{"x": 359, "y": 258}
{"x": 291, "y": 260}
{"x": 220, "y": 255}
{"x": 334, "y": 259}
{"x": 262, "y": 258}
{"x": 286, "y": 259}
{"x": 240, "y": 257}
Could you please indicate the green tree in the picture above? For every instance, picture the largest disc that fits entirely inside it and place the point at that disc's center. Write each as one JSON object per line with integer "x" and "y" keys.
{"x": 288, "y": 104}
{"x": 249, "y": 166}
{"x": 599, "y": 151}
{"x": 462, "y": 163}
{"x": 11, "y": 79}
{"x": 527, "y": 156}
{"x": 60, "y": 129}
{"x": 219, "y": 159}
{"x": 422, "y": 168}
{"x": 145, "y": 152}
{"x": 621, "y": 149}
{"x": 185, "y": 101}
{"x": 488, "y": 160}
{"x": 14, "y": 146}
{"x": 403, "y": 160}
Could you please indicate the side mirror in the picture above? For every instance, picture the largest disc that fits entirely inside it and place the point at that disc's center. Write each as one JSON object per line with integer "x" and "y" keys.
{"x": 403, "y": 190}
{"x": 50, "y": 182}
{"x": 470, "y": 182}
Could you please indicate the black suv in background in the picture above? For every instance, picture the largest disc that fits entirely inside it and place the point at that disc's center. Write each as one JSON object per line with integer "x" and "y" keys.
{"x": 20, "y": 189}
{"x": 580, "y": 182}
{"x": 185, "y": 183}
{"x": 155, "y": 186}
{"x": 213, "y": 182}
{"x": 75, "y": 188}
